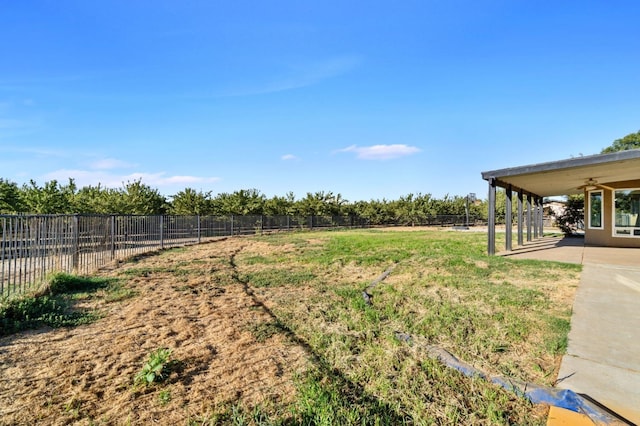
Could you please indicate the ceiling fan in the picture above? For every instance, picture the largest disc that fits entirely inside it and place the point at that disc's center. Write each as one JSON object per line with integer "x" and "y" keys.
{"x": 591, "y": 184}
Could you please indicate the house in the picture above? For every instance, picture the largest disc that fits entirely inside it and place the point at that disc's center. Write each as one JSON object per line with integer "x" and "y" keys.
{"x": 609, "y": 182}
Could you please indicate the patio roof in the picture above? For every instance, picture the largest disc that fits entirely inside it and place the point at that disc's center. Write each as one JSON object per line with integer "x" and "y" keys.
{"x": 566, "y": 176}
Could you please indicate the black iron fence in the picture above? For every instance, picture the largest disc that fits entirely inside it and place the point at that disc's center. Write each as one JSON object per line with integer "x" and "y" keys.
{"x": 33, "y": 246}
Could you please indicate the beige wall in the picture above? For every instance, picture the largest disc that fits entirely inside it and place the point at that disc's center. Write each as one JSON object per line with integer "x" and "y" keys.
{"x": 604, "y": 236}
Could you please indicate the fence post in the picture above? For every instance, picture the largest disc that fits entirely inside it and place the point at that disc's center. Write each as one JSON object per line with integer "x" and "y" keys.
{"x": 161, "y": 232}
{"x": 76, "y": 244}
{"x": 232, "y": 225}
{"x": 113, "y": 237}
{"x": 199, "y": 232}
{"x": 2, "y": 256}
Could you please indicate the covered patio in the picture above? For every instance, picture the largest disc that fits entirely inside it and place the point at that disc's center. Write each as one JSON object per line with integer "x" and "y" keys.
{"x": 610, "y": 183}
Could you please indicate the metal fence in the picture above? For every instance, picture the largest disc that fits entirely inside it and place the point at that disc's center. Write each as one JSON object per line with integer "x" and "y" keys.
{"x": 33, "y": 246}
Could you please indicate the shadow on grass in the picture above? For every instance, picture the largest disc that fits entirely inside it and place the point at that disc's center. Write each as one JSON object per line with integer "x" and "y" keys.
{"x": 327, "y": 396}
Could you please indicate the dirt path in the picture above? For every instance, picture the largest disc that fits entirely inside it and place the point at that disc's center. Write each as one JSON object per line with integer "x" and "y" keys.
{"x": 202, "y": 312}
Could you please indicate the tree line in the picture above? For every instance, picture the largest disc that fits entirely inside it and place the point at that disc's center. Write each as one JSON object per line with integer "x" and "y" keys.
{"x": 141, "y": 199}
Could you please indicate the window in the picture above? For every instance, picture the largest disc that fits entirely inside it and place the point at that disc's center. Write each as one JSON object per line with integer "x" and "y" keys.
{"x": 626, "y": 213}
{"x": 595, "y": 209}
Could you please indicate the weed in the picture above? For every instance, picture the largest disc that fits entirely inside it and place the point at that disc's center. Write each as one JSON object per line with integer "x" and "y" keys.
{"x": 73, "y": 407}
{"x": 119, "y": 292}
{"x": 52, "y": 305}
{"x": 155, "y": 369}
{"x": 164, "y": 396}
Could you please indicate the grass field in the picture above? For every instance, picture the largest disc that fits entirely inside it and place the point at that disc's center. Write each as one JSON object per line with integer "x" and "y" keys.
{"x": 275, "y": 330}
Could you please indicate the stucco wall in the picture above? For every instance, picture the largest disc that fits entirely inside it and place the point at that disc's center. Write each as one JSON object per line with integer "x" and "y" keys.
{"x": 604, "y": 236}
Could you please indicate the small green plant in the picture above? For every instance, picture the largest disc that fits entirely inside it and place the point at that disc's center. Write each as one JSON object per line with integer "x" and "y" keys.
{"x": 156, "y": 367}
{"x": 164, "y": 397}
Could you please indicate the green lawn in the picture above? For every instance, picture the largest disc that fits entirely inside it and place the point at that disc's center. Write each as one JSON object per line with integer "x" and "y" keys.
{"x": 503, "y": 316}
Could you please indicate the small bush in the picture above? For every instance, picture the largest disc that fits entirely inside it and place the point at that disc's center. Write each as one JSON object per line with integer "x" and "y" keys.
{"x": 28, "y": 312}
{"x": 572, "y": 219}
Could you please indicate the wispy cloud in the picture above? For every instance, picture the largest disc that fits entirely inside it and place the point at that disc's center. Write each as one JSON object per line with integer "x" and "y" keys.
{"x": 161, "y": 179}
{"x": 381, "y": 152}
{"x": 111, "y": 163}
{"x": 112, "y": 180}
{"x": 302, "y": 75}
{"x": 83, "y": 177}
{"x": 288, "y": 157}
{"x": 40, "y": 152}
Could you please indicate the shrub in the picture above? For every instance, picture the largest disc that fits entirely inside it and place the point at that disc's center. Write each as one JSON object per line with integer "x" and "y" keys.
{"x": 572, "y": 219}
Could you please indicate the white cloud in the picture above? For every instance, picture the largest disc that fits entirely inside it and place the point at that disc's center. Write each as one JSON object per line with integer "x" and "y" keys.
{"x": 111, "y": 163}
{"x": 160, "y": 179}
{"x": 288, "y": 157}
{"x": 82, "y": 177}
{"x": 381, "y": 152}
{"x": 111, "y": 180}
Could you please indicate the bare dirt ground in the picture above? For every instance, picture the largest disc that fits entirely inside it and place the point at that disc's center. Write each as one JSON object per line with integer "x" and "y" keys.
{"x": 84, "y": 375}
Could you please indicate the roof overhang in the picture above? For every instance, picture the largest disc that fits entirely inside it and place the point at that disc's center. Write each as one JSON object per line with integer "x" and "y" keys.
{"x": 567, "y": 177}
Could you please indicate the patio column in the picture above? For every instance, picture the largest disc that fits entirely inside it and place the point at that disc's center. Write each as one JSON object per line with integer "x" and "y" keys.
{"x": 508, "y": 219}
{"x": 520, "y": 217}
{"x": 541, "y": 215}
{"x": 529, "y": 217}
{"x": 535, "y": 217}
{"x": 491, "y": 220}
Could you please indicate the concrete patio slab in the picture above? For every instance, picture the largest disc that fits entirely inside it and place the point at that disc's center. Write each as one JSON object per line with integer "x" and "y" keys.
{"x": 603, "y": 354}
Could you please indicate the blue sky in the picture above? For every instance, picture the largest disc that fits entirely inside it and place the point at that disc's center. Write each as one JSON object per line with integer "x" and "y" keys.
{"x": 368, "y": 99}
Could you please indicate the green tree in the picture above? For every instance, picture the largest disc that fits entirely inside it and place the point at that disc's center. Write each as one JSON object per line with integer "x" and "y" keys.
{"x": 320, "y": 203}
{"x": 572, "y": 219}
{"x": 137, "y": 198}
{"x": 10, "y": 197}
{"x": 242, "y": 202}
{"x": 52, "y": 198}
{"x": 407, "y": 211}
{"x": 94, "y": 199}
{"x": 336, "y": 204}
{"x": 631, "y": 141}
{"x": 191, "y": 202}
{"x": 281, "y": 206}
{"x": 377, "y": 212}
